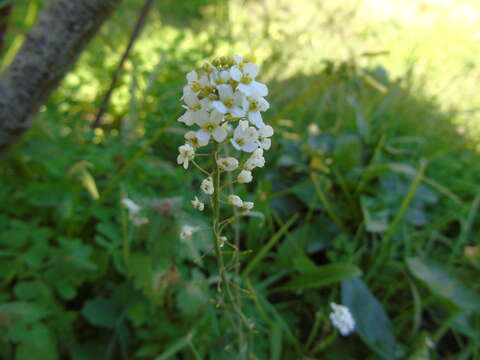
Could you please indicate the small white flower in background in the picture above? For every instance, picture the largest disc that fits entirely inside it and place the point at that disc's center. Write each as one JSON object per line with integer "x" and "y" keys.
{"x": 187, "y": 232}
{"x": 197, "y": 204}
{"x": 247, "y": 205}
{"x": 227, "y": 164}
{"x": 187, "y": 153}
{"x": 223, "y": 240}
{"x": 342, "y": 319}
{"x": 235, "y": 200}
{"x": 207, "y": 186}
{"x": 133, "y": 212}
{"x": 244, "y": 177}
{"x": 132, "y": 208}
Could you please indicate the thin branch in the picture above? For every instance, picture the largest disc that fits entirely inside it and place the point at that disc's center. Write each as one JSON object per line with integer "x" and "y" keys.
{"x": 133, "y": 37}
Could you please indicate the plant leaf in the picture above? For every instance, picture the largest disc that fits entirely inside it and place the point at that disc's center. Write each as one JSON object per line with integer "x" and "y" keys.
{"x": 323, "y": 276}
{"x": 371, "y": 321}
{"x": 443, "y": 283}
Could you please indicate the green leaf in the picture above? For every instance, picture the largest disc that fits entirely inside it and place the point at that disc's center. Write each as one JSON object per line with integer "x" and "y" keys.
{"x": 348, "y": 151}
{"x": 39, "y": 343}
{"x": 444, "y": 284}
{"x": 371, "y": 321}
{"x": 101, "y": 312}
{"x": 323, "y": 276}
{"x": 191, "y": 299}
{"x": 27, "y": 290}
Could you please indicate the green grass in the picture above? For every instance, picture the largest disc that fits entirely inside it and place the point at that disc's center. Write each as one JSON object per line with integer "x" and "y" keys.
{"x": 369, "y": 196}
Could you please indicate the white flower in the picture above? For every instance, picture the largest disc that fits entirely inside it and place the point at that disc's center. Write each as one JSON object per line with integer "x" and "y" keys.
{"x": 255, "y": 160}
{"x": 193, "y": 140}
{"x": 228, "y": 163}
{"x": 229, "y": 101}
{"x": 132, "y": 208}
{"x": 197, "y": 204}
{"x": 187, "y": 153}
{"x": 223, "y": 240}
{"x": 245, "y": 137}
{"x": 220, "y": 78}
{"x": 342, "y": 319}
{"x": 207, "y": 186}
{"x": 246, "y": 79}
{"x": 211, "y": 126}
{"x": 196, "y": 83}
{"x": 193, "y": 107}
{"x": 247, "y": 205}
{"x": 235, "y": 200}
{"x": 133, "y": 211}
{"x": 187, "y": 231}
{"x": 244, "y": 177}
{"x": 263, "y": 135}
{"x": 253, "y": 106}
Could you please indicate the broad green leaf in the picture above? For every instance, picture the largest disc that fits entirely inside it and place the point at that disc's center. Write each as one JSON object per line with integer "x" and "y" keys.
{"x": 444, "y": 284}
{"x": 371, "y": 321}
{"x": 101, "y": 312}
{"x": 323, "y": 276}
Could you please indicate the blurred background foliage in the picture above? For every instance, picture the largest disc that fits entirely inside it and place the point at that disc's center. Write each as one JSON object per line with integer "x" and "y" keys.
{"x": 370, "y": 197}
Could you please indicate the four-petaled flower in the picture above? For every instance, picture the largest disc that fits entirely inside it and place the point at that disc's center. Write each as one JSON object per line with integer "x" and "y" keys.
{"x": 187, "y": 153}
{"x": 245, "y": 137}
{"x": 207, "y": 186}
{"x": 197, "y": 204}
{"x": 210, "y": 125}
{"x": 227, "y": 164}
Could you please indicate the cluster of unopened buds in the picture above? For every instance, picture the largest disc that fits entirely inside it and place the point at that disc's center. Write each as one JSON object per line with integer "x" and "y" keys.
{"x": 224, "y": 102}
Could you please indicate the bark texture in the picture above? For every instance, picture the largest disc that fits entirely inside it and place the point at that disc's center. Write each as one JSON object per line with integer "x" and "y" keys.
{"x": 47, "y": 54}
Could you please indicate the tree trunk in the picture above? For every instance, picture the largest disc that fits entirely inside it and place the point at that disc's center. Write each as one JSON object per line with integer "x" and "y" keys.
{"x": 49, "y": 51}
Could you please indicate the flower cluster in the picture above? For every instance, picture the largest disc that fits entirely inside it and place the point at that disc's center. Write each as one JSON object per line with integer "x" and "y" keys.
{"x": 342, "y": 319}
{"x": 223, "y": 103}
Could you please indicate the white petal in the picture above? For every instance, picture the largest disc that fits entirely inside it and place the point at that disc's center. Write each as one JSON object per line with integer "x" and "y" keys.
{"x": 256, "y": 119}
{"x": 225, "y": 91}
{"x": 219, "y": 106}
{"x": 249, "y": 147}
{"x": 258, "y": 89}
{"x": 245, "y": 89}
{"x": 201, "y": 117}
{"x": 185, "y": 164}
{"x": 235, "y": 145}
{"x": 266, "y": 131}
{"x": 238, "y": 59}
{"x": 192, "y": 76}
{"x": 203, "y": 136}
{"x": 216, "y": 117}
{"x": 187, "y": 118}
{"x": 219, "y": 134}
{"x": 190, "y": 99}
{"x": 235, "y": 73}
{"x": 266, "y": 143}
{"x": 237, "y": 112}
{"x": 225, "y": 75}
{"x": 264, "y": 105}
{"x": 251, "y": 69}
